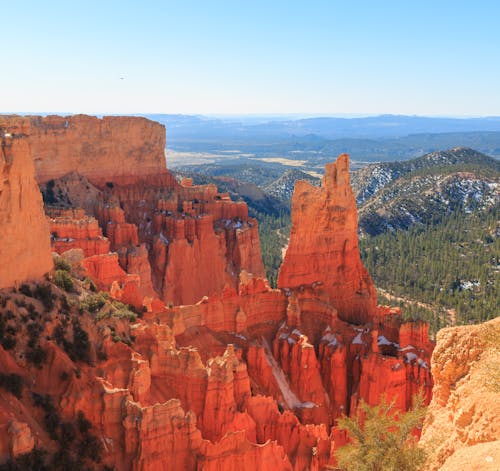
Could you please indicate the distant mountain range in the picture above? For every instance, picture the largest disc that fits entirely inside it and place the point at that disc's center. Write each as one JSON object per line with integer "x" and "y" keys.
{"x": 318, "y": 140}
{"x": 383, "y": 126}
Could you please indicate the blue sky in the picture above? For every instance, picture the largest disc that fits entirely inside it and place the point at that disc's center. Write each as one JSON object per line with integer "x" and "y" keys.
{"x": 236, "y": 57}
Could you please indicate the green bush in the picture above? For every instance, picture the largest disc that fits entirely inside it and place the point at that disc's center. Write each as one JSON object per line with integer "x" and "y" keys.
{"x": 118, "y": 310}
{"x": 64, "y": 281}
{"x": 93, "y": 302}
{"x": 36, "y": 356}
{"x": 80, "y": 350}
{"x": 34, "y": 460}
{"x": 61, "y": 264}
{"x": 26, "y": 290}
{"x": 381, "y": 438}
{"x": 44, "y": 294}
{"x": 12, "y": 383}
{"x": 8, "y": 343}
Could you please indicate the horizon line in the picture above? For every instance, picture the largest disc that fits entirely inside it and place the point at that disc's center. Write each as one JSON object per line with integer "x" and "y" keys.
{"x": 296, "y": 115}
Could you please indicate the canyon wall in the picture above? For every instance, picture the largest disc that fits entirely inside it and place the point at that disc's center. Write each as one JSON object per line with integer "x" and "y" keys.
{"x": 185, "y": 241}
{"x": 218, "y": 371}
{"x": 25, "y": 244}
{"x": 113, "y": 147}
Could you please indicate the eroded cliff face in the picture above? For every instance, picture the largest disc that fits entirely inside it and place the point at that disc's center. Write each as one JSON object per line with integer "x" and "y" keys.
{"x": 462, "y": 427}
{"x": 220, "y": 371}
{"x": 25, "y": 246}
{"x": 184, "y": 241}
{"x": 323, "y": 248}
{"x": 114, "y": 146}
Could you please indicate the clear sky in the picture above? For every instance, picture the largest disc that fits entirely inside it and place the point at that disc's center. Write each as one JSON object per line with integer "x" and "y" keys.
{"x": 439, "y": 57}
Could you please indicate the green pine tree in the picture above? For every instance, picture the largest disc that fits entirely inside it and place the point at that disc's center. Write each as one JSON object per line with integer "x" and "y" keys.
{"x": 381, "y": 438}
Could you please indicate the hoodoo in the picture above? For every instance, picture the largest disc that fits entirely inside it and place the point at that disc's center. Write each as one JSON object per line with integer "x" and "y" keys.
{"x": 323, "y": 248}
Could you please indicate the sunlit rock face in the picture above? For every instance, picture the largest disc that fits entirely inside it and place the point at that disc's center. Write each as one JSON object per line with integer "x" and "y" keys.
{"x": 25, "y": 241}
{"x": 114, "y": 146}
{"x": 323, "y": 248}
{"x": 219, "y": 371}
{"x": 461, "y": 428}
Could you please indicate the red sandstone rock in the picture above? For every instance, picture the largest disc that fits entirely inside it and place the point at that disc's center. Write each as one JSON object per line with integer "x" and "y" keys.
{"x": 25, "y": 243}
{"x": 73, "y": 229}
{"x": 134, "y": 260}
{"x": 235, "y": 453}
{"x": 180, "y": 397}
{"x": 109, "y": 149}
{"x": 465, "y": 405}
{"x": 192, "y": 230}
{"x": 106, "y": 272}
{"x": 323, "y": 247}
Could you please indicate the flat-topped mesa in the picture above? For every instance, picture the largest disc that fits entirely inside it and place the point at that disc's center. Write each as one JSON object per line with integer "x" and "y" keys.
{"x": 24, "y": 235}
{"x": 323, "y": 249}
{"x": 112, "y": 148}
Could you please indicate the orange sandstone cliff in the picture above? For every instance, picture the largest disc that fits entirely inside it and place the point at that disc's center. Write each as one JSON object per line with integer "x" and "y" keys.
{"x": 462, "y": 427}
{"x": 25, "y": 245}
{"x": 214, "y": 370}
{"x": 114, "y": 146}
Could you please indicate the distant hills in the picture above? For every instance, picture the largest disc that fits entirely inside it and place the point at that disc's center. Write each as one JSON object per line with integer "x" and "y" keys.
{"x": 319, "y": 140}
{"x": 397, "y": 195}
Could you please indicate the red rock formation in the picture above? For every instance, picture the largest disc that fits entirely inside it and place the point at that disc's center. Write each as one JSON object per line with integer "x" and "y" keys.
{"x": 73, "y": 229}
{"x": 106, "y": 272}
{"x": 323, "y": 248}
{"x": 109, "y": 149}
{"x": 25, "y": 243}
{"x": 230, "y": 375}
{"x": 134, "y": 260}
{"x": 119, "y": 232}
{"x": 199, "y": 239}
{"x": 234, "y": 453}
{"x": 197, "y": 255}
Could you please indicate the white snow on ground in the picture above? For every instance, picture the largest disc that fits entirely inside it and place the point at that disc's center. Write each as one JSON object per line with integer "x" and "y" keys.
{"x": 357, "y": 340}
{"x": 383, "y": 341}
{"x": 330, "y": 339}
{"x": 410, "y": 356}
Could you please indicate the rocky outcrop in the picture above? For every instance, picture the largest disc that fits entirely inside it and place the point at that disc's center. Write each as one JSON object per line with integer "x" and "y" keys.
{"x": 73, "y": 229}
{"x": 114, "y": 148}
{"x": 25, "y": 243}
{"x": 465, "y": 406}
{"x": 217, "y": 371}
{"x": 323, "y": 248}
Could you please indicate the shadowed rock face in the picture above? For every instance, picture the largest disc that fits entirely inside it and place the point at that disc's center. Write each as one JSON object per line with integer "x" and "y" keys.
{"x": 323, "y": 248}
{"x": 25, "y": 242}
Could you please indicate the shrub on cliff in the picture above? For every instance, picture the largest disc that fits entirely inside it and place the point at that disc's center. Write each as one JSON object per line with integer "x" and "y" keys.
{"x": 61, "y": 264}
{"x": 93, "y": 302}
{"x": 12, "y": 383}
{"x": 43, "y": 293}
{"x": 381, "y": 438}
{"x": 63, "y": 280}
